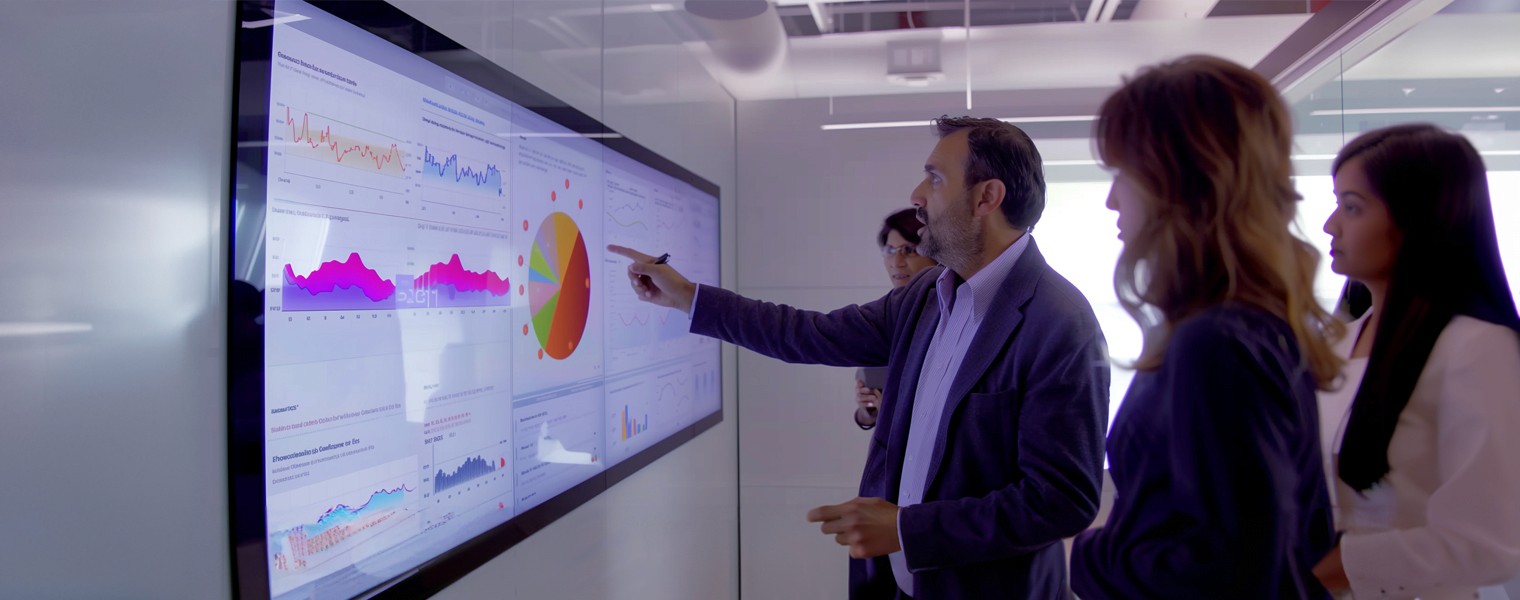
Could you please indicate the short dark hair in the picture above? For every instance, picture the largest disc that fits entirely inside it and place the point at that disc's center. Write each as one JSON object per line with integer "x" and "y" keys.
{"x": 1003, "y": 152}
{"x": 905, "y": 222}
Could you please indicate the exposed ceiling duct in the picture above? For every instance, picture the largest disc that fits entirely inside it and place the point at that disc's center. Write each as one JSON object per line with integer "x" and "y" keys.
{"x": 745, "y": 35}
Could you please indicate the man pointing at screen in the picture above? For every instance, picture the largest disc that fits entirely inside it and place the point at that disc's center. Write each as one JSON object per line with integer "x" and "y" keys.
{"x": 990, "y": 450}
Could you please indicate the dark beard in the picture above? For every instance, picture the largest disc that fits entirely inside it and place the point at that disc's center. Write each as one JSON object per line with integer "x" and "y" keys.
{"x": 928, "y": 244}
{"x": 950, "y": 241}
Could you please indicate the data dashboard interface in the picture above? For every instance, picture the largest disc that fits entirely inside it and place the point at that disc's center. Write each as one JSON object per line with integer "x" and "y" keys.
{"x": 446, "y": 344}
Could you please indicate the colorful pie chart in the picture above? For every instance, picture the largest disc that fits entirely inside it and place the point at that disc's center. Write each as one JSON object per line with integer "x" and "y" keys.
{"x": 559, "y": 285}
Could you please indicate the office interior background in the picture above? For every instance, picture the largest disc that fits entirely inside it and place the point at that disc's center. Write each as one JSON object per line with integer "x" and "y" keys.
{"x": 810, "y": 116}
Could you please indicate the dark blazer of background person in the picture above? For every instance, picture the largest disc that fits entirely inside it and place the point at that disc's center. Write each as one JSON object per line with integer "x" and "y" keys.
{"x": 1018, "y": 462}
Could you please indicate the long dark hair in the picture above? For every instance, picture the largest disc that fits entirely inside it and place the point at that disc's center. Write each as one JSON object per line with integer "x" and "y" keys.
{"x": 1436, "y": 189}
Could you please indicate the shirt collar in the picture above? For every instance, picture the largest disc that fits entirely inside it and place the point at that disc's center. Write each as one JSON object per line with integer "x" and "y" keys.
{"x": 1347, "y": 343}
{"x": 983, "y": 286}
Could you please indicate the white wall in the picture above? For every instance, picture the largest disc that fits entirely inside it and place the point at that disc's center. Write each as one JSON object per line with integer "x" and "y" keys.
{"x": 114, "y": 437}
{"x": 812, "y": 205}
{"x": 112, "y": 176}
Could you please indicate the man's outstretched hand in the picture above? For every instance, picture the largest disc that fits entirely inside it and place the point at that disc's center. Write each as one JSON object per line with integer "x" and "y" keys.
{"x": 656, "y": 284}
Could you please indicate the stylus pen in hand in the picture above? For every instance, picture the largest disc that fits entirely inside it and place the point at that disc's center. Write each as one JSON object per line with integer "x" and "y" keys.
{"x": 645, "y": 280}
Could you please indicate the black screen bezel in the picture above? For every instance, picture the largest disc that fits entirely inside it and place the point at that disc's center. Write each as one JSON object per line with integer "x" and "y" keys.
{"x": 250, "y": 115}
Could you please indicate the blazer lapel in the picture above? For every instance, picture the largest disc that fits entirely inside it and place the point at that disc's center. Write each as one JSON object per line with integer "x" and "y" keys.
{"x": 992, "y": 335}
{"x": 926, "y": 320}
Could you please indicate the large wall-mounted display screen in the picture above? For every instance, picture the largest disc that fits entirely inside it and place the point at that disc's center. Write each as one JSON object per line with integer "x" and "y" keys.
{"x": 432, "y": 353}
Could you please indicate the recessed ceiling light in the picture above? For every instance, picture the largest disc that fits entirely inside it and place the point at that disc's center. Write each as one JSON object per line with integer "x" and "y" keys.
{"x": 1071, "y": 163}
{"x": 529, "y": 134}
{"x": 1413, "y": 110}
{"x": 893, "y": 124}
{"x": 874, "y": 125}
{"x": 28, "y": 328}
{"x": 915, "y": 79}
{"x": 1054, "y": 119}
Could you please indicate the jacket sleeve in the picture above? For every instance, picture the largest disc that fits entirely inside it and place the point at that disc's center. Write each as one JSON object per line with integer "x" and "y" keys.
{"x": 853, "y": 336}
{"x": 1216, "y": 502}
{"x": 1471, "y": 535}
{"x": 1063, "y": 414}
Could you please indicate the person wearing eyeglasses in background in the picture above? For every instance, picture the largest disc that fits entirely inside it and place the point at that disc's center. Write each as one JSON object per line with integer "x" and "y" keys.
{"x": 1423, "y": 436}
{"x": 899, "y": 253}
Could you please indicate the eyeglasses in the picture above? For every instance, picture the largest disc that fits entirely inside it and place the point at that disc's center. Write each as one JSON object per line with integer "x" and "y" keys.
{"x": 905, "y": 250}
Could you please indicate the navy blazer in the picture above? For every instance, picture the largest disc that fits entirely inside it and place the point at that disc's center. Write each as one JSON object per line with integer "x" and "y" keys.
{"x": 1220, "y": 492}
{"x": 1018, "y": 462}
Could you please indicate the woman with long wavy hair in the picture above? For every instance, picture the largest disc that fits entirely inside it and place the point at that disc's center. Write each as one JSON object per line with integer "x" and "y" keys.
{"x": 1422, "y": 431}
{"x": 1220, "y": 491}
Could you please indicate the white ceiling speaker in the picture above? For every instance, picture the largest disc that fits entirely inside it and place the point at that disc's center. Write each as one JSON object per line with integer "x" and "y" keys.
{"x": 914, "y": 63}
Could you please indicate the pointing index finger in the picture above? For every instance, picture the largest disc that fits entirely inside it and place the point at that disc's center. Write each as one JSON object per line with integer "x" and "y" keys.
{"x": 630, "y": 253}
{"x": 824, "y": 513}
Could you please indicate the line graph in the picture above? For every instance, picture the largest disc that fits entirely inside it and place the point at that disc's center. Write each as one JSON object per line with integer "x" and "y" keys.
{"x": 324, "y": 530}
{"x": 295, "y": 547}
{"x": 633, "y": 325}
{"x": 316, "y": 529}
{"x": 627, "y": 208}
{"x": 678, "y": 392}
{"x": 635, "y": 206}
{"x": 350, "y": 146}
{"x": 630, "y": 225}
{"x": 642, "y": 318}
{"x": 464, "y": 174}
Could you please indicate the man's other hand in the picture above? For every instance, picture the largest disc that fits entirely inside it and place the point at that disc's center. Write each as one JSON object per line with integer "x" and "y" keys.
{"x": 867, "y": 525}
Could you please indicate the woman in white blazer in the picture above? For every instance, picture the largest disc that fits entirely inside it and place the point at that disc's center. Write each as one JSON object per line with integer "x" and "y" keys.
{"x": 1422, "y": 439}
